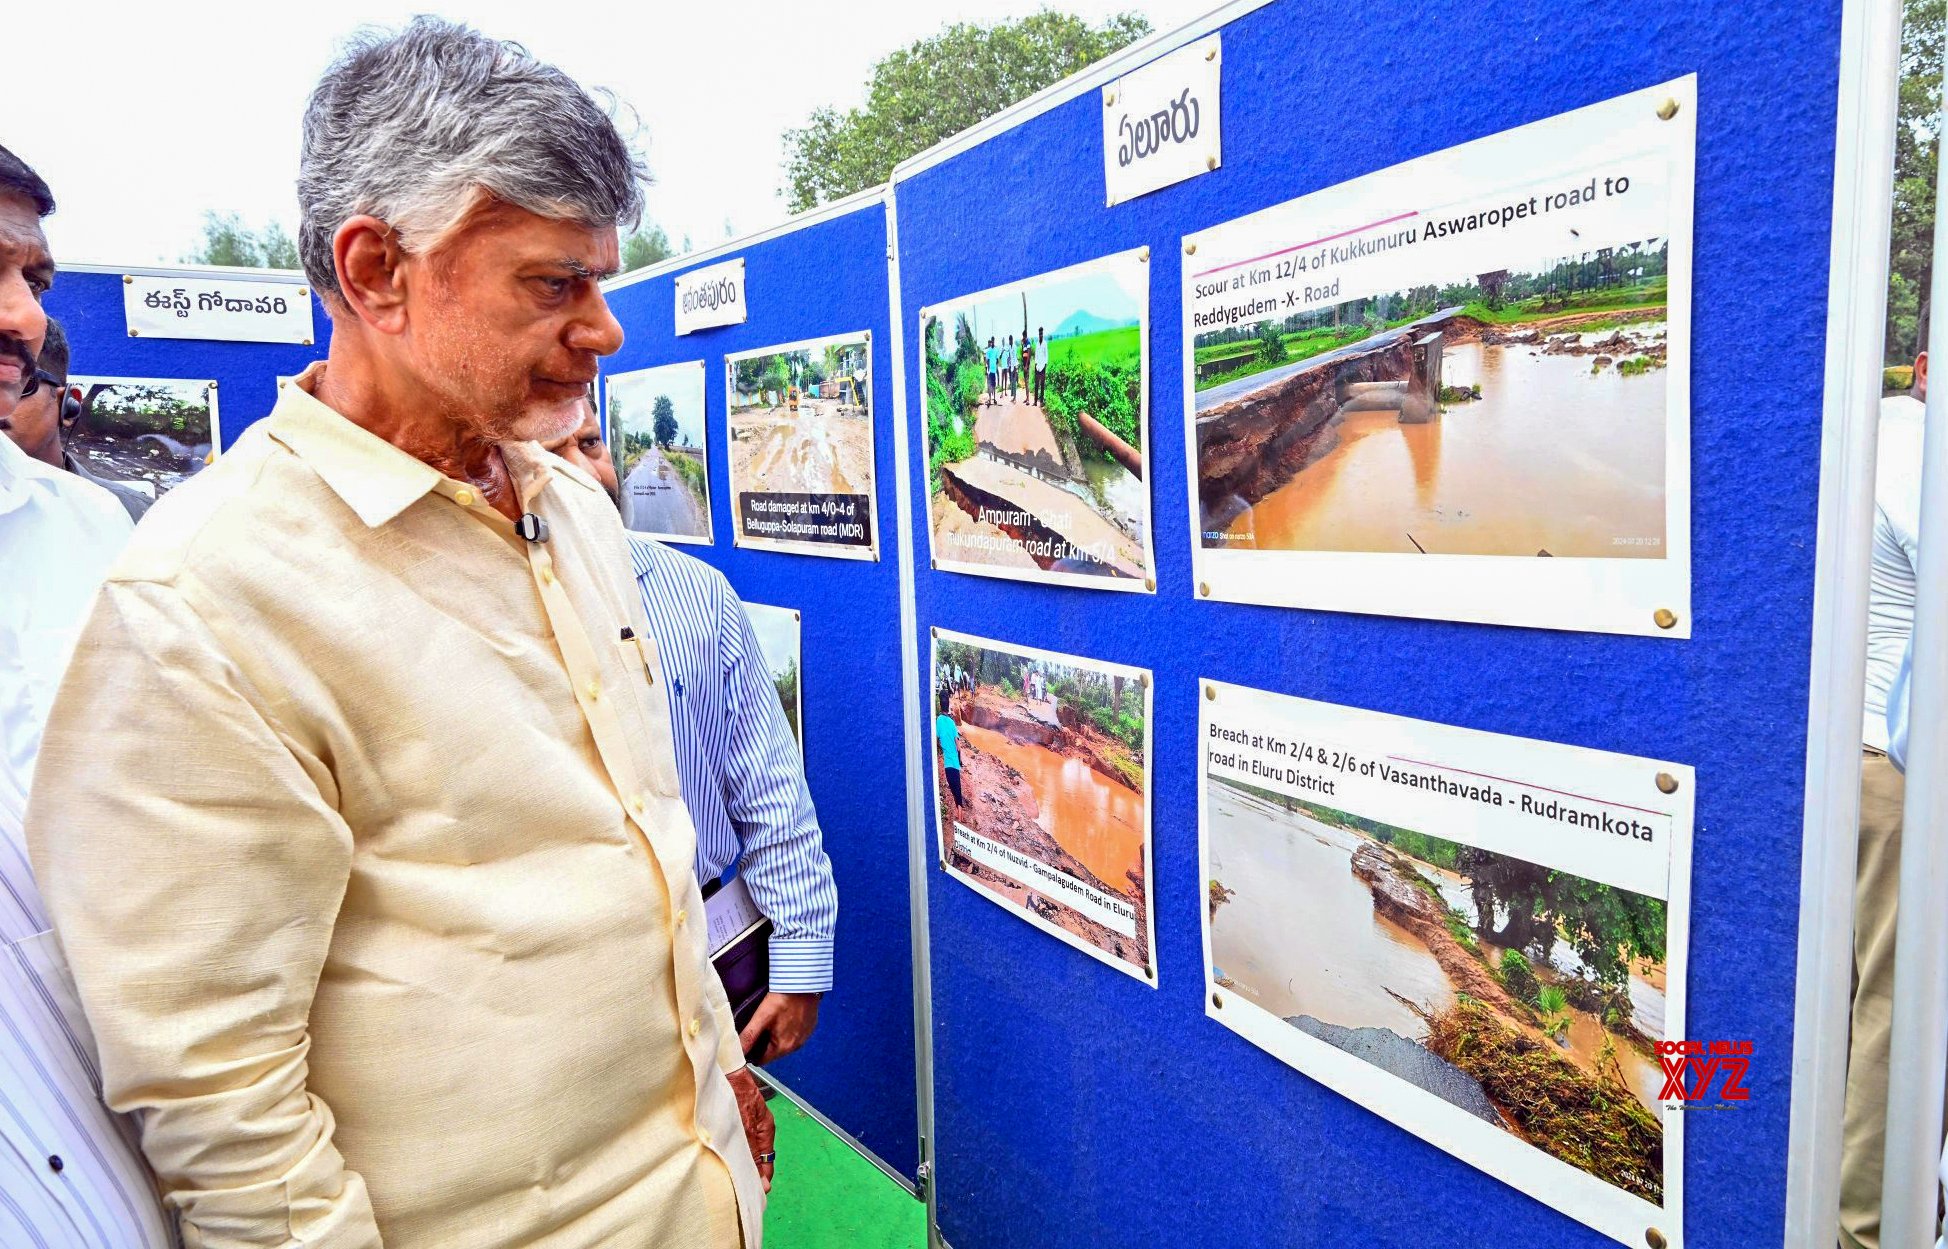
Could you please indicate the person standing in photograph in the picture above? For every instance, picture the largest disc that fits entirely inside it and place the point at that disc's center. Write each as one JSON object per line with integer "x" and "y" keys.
{"x": 1041, "y": 365}
{"x": 993, "y": 354}
{"x": 948, "y": 734}
{"x": 361, "y": 831}
{"x": 1027, "y": 368}
{"x": 1009, "y": 363}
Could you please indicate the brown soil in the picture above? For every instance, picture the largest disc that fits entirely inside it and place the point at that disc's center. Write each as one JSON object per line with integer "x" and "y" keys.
{"x": 1469, "y": 330}
{"x": 1002, "y": 807}
{"x": 1406, "y": 904}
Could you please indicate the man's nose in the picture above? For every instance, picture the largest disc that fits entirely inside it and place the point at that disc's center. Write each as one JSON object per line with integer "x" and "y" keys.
{"x": 21, "y": 314}
{"x": 598, "y": 331}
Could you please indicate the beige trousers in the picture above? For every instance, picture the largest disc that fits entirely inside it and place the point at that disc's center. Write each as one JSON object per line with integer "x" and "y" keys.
{"x": 1876, "y": 890}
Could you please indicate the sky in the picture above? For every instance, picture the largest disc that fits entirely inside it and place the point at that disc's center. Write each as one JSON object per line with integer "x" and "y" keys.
{"x": 1113, "y": 291}
{"x": 637, "y": 392}
{"x": 141, "y": 118}
{"x": 777, "y": 630}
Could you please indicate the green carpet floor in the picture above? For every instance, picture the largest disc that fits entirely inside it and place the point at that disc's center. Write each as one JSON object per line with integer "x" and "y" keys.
{"x": 825, "y": 1196}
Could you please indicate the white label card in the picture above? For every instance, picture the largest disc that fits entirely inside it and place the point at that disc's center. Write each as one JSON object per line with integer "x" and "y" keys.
{"x": 1160, "y": 123}
{"x": 710, "y": 297}
{"x": 237, "y": 310}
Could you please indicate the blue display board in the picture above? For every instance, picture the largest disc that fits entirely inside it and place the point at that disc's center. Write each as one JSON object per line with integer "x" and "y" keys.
{"x": 88, "y": 303}
{"x": 822, "y": 278}
{"x": 1077, "y": 1107}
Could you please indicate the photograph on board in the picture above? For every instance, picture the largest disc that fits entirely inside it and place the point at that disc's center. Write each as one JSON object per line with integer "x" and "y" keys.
{"x": 801, "y": 447}
{"x": 777, "y": 630}
{"x": 147, "y": 435}
{"x": 656, "y": 435}
{"x": 1458, "y": 367}
{"x": 1036, "y": 410}
{"x": 1041, "y": 787}
{"x": 1479, "y": 937}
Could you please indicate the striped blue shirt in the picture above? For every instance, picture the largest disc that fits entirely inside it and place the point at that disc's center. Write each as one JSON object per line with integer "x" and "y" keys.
{"x": 743, "y": 778}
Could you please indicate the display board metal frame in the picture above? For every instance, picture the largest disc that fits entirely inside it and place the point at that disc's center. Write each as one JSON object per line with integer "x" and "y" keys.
{"x": 1058, "y": 1163}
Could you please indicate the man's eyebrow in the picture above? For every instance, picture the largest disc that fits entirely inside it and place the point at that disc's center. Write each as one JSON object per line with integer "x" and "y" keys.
{"x": 581, "y": 270}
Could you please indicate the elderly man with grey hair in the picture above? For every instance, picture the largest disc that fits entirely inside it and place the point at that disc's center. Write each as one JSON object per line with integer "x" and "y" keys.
{"x": 357, "y": 814}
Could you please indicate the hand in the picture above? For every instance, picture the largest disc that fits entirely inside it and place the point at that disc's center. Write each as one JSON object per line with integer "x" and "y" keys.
{"x": 760, "y": 1131}
{"x": 789, "y": 1019}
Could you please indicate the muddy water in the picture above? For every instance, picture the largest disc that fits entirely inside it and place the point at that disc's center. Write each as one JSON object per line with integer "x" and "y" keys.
{"x": 1092, "y": 817}
{"x": 1326, "y": 954}
{"x": 1552, "y": 457}
{"x": 1321, "y": 952}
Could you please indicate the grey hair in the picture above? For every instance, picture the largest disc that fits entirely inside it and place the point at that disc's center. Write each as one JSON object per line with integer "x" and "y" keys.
{"x": 417, "y": 127}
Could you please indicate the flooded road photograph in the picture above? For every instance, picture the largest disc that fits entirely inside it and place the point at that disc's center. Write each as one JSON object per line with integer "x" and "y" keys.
{"x": 1517, "y": 414}
{"x": 1040, "y": 770}
{"x": 1530, "y": 998}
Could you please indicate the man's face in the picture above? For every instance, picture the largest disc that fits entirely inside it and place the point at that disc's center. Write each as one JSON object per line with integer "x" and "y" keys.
{"x": 506, "y": 322}
{"x": 26, "y": 271}
{"x": 585, "y": 449}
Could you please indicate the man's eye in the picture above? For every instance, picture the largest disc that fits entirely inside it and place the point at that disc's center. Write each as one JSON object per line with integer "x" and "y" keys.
{"x": 591, "y": 445}
{"x": 555, "y": 286}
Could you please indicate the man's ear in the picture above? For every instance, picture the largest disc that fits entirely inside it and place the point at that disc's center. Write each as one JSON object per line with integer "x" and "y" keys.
{"x": 1921, "y": 376}
{"x": 371, "y": 272}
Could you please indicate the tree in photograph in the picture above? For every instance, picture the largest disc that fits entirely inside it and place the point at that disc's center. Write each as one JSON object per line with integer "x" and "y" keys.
{"x": 938, "y": 87}
{"x": 228, "y": 241}
{"x": 1606, "y": 926}
{"x": 663, "y": 422}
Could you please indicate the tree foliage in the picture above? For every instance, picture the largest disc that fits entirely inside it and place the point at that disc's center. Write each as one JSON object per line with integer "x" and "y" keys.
{"x": 1917, "y": 151}
{"x": 938, "y": 87}
{"x": 663, "y": 423}
{"x": 645, "y": 247}
{"x": 228, "y": 241}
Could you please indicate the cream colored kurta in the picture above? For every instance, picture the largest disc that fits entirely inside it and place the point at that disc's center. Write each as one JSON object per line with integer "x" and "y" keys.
{"x": 358, "y": 819}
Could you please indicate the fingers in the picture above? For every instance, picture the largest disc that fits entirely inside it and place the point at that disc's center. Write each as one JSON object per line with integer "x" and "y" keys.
{"x": 761, "y": 1021}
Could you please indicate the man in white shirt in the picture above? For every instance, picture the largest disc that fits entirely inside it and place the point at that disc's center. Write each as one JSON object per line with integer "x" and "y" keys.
{"x": 1890, "y": 621}
{"x": 69, "y": 1177}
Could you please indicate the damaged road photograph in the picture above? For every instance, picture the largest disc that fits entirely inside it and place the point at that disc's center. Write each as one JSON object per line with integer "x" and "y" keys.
{"x": 801, "y": 446}
{"x": 1036, "y": 409}
{"x": 145, "y": 434}
{"x": 1498, "y": 413}
{"x": 1042, "y": 790}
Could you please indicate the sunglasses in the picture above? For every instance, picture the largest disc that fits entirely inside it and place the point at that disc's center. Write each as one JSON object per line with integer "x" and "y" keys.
{"x": 37, "y": 379}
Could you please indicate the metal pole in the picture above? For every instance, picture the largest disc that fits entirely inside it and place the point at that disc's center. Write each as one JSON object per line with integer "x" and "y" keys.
{"x": 1917, "y": 1059}
{"x": 1870, "y": 41}
{"x": 919, "y": 856}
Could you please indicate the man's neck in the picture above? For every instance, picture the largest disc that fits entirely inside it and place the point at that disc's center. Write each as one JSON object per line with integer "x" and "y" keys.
{"x": 50, "y": 452}
{"x": 417, "y": 424}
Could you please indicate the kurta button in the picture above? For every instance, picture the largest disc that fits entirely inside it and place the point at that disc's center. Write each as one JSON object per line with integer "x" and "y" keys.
{"x": 55, "y": 1164}
{"x": 636, "y": 803}
{"x": 547, "y": 575}
{"x": 680, "y": 917}
{"x": 463, "y": 497}
{"x": 703, "y": 1134}
{"x": 696, "y": 1026}
{"x": 594, "y": 690}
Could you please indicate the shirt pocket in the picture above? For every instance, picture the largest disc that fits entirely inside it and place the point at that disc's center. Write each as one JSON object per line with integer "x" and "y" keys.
{"x": 42, "y": 967}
